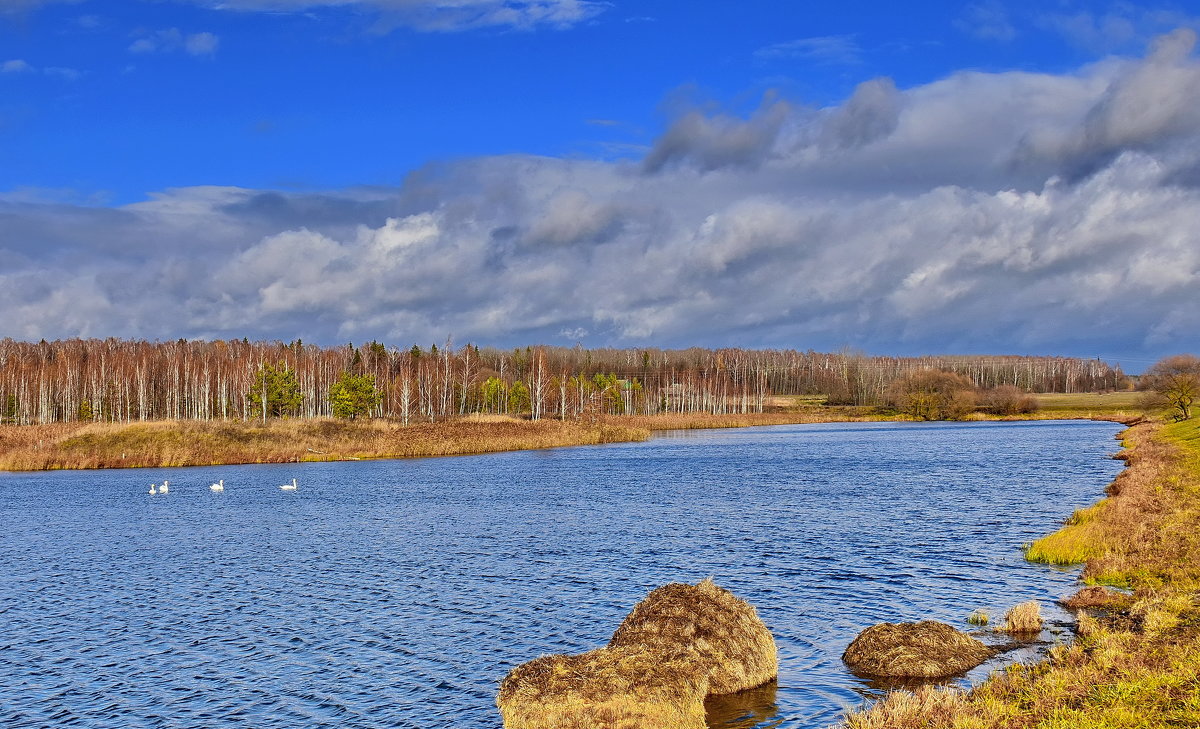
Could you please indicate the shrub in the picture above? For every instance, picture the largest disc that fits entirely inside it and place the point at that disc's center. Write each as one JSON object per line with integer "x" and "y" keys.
{"x": 1007, "y": 400}
{"x": 932, "y": 395}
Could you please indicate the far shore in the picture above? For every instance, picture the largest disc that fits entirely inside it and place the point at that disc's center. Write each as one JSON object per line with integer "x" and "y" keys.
{"x": 158, "y": 444}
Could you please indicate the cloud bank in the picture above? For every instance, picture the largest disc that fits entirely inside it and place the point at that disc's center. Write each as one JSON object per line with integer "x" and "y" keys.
{"x": 1008, "y": 212}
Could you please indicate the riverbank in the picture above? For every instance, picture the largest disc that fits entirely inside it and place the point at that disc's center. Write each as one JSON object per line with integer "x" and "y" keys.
{"x": 208, "y": 443}
{"x": 1135, "y": 663}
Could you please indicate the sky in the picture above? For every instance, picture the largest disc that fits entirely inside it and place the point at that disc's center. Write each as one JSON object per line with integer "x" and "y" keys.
{"x": 939, "y": 177}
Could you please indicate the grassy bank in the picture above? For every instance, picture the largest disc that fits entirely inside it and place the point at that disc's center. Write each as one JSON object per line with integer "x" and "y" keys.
{"x": 193, "y": 443}
{"x": 1135, "y": 664}
{"x": 197, "y": 443}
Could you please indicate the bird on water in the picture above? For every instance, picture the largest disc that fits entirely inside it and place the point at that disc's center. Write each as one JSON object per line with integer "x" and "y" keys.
{"x": 218, "y": 486}
{"x": 289, "y": 486}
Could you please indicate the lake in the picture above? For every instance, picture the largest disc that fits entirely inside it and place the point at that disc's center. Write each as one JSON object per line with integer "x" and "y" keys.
{"x": 399, "y": 593}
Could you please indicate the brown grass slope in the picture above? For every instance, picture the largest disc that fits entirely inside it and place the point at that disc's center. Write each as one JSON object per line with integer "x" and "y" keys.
{"x": 678, "y": 645}
{"x": 196, "y": 443}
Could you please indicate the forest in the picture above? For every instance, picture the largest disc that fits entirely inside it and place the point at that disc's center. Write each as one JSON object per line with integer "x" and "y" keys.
{"x": 115, "y": 380}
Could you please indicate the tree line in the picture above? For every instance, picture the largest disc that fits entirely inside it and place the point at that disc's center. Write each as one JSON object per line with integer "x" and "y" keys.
{"x": 130, "y": 380}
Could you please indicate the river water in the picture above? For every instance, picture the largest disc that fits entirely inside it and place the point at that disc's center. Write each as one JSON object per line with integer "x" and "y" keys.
{"x": 398, "y": 593}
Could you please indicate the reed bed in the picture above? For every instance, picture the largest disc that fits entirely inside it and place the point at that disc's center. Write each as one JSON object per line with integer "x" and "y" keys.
{"x": 197, "y": 443}
{"x": 701, "y": 421}
{"x": 1136, "y": 661}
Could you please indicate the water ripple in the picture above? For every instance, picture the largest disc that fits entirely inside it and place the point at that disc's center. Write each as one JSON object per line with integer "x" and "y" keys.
{"x": 397, "y": 594}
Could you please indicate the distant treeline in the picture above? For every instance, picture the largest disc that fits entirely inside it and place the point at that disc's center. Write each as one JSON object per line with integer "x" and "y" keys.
{"x": 121, "y": 380}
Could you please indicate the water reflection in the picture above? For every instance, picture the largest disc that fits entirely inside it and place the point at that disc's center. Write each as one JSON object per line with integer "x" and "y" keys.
{"x": 745, "y": 709}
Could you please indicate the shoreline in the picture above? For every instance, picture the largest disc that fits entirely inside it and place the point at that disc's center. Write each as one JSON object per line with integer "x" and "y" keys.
{"x": 1136, "y": 660}
{"x": 185, "y": 443}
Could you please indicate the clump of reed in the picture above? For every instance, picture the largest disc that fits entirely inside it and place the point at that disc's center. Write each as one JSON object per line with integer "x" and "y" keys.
{"x": 1023, "y": 619}
{"x": 193, "y": 442}
{"x": 678, "y": 645}
{"x": 927, "y": 706}
{"x": 978, "y": 617}
{"x": 927, "y": 649}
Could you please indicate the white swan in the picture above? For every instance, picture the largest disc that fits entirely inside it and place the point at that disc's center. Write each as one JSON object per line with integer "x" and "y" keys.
{"x": 163, "y": 489}
{"x": 218, "y": 486}
{"x": 289, "y": 486}
{"x": 153, "y": 486}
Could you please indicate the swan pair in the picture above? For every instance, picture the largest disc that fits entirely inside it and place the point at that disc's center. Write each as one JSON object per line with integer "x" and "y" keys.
{"x": 160, "y": 489}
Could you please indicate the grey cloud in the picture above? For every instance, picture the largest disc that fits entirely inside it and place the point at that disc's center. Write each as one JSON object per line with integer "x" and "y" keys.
{"x": 895, "y": 222}
{"x": 1144, "y": 107}
{"x": 713, "y": 142}
{"x": 871, "y": 113}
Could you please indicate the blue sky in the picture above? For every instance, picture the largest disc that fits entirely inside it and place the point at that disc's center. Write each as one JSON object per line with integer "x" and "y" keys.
{"x": 615, "y": 173}
{"x": 151, "y": 95}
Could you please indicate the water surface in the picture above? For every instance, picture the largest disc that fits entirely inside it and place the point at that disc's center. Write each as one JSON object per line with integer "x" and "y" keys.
{"x": 398, "y": 593}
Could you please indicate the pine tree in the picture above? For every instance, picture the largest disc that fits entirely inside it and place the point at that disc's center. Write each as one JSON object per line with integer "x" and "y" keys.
{"x": 353, "y": 395}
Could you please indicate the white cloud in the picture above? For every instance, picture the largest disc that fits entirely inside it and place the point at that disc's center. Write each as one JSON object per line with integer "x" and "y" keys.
{"x": 443, "y": 15}
{"x": 20, "y": 66}
{"x": 829, "y": 49}
{"x": 988, "y": 20}
{"x": 172, "y": 39}
{"x": 1120, "y": 26}
{"x": 951, "y": 216}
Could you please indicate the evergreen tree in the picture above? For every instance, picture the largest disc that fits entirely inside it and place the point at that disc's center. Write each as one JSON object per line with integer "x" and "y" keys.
{"x": 275, "y": 391}
{"x": 353, "y": 395}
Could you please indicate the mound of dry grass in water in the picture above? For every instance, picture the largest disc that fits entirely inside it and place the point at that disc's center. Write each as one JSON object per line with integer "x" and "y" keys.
{"x": 196, "y": 443}
{"x": 1023, "y": 619}
{"x": 679, "y": 645}
{"x": 1136, "y": 662}
{"x": 927, "y": 649}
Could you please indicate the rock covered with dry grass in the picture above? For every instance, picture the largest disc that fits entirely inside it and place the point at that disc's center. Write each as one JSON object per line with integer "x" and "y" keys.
{"x": 679, "y": 645}
{"x": 624, "y": 687}
{"x": 724, "y": 631}
{"x": 927, "y": 649}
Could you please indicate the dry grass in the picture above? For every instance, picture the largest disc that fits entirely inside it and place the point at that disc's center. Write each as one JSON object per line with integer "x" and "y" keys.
{"x": 1136, "y": 662}
{"x": 1023, "y": 619}
{"x": 195, "y": 443}
{"x": 679, "y": 645}
{"x": 927, "y": 649}
{"x": 725, "y": 632}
